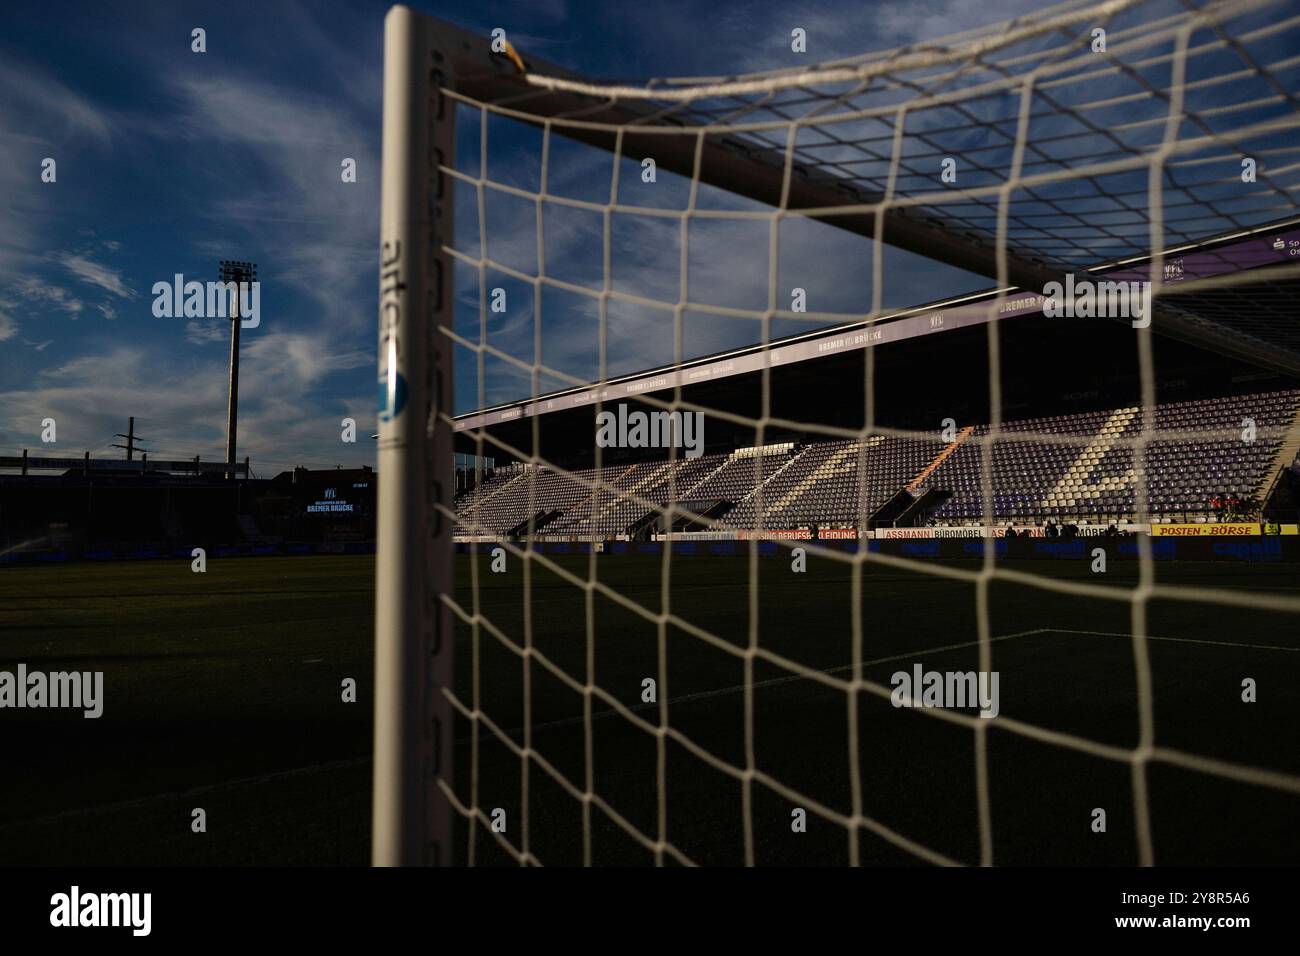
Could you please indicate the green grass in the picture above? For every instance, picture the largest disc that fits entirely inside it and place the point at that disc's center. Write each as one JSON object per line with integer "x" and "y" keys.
{"x": 230, "y": 675}
{"x": 223, "y": 692}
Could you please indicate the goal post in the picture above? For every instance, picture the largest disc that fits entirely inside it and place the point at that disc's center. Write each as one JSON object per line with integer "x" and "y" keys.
{"x": 413, "y": 568}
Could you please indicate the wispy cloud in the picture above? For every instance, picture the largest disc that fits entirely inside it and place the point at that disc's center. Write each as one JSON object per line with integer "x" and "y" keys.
{"x": 41, "y": 117}
{"x": 206, "y": 331}
{"x": 99, "y": 275}
{"x": 51, "y": 98}
{"x": 43, "y": 293}
{"x": 279, "y": 360}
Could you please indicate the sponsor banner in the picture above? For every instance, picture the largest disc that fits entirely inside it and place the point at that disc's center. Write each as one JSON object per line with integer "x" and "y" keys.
{"x": 842, "y": 534}
{"x": 999, "y": 531}
{"x": 696, "y": 536}
{"x": 1274, "y": 528}
{"x": 778, "y": 534}
{"x": 1263, "y": 249}
{"x": 1097, "y": 530}
{"x": 974, "y": 531}
{"x": 1261, "y": 549}
{"x": 1226, "y": 530}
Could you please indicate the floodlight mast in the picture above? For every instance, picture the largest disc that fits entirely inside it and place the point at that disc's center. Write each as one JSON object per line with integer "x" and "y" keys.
{"x": 235, "y": 272}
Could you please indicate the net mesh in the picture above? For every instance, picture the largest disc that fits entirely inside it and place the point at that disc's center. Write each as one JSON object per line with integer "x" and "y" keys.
{"x": 1067, "y": 159}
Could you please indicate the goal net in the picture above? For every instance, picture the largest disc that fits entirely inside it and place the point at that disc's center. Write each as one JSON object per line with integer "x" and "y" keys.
{"x": 551, "y": 243}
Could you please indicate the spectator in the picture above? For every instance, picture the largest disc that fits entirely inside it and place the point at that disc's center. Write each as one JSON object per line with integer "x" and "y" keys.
{"x": 1010, "y": 532}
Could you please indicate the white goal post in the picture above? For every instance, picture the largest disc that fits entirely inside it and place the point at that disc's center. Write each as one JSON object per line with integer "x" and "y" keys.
{"x": 413, "y": 645}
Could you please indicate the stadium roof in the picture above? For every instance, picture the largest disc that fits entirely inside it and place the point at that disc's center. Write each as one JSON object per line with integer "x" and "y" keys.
{"x": 1256, "y": 309}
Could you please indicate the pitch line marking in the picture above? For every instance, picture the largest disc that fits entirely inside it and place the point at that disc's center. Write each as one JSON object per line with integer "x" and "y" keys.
{"x": 1178, "y": 640}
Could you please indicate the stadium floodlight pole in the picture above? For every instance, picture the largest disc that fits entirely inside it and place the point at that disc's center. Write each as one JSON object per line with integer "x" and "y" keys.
{"x": 236, "y": 272}
{"x": 413, "y": 567}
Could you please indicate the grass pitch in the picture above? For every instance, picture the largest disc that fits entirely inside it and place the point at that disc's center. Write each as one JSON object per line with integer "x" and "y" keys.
{"x": 223, "y": 691}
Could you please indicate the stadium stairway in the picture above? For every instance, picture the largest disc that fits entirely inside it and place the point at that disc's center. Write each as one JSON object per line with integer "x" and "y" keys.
{"x": 752, "y": 497}
{"x": 1074, "y": 490}
{"x": 612, "y": 514}
{"x": 1287, "y": 454}
{"x": 888, "y": 514}
{"x": 705, "y": 480}
{"x": 471, "y": 507}
{"x": 839, "y": 461}
{"x": 929, "y": 501}
{"x": 651, "y": 475}
{"x": 939, "y": 459}
{"x": 536, "y": 521}
{"x": 741, "y": 475}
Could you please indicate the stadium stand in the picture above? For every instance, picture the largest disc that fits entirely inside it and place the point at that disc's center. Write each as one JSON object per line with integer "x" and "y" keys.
{"x": 1039, "y": 480}
{"x": 1074, "y": 466}
{"x": 613, "y": 512}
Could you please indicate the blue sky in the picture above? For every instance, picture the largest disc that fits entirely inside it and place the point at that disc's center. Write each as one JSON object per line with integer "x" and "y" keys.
{"x": 168, "y": 160}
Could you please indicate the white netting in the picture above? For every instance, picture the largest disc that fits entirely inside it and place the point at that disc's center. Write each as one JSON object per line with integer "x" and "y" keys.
{"x": 1069, "y": 159}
